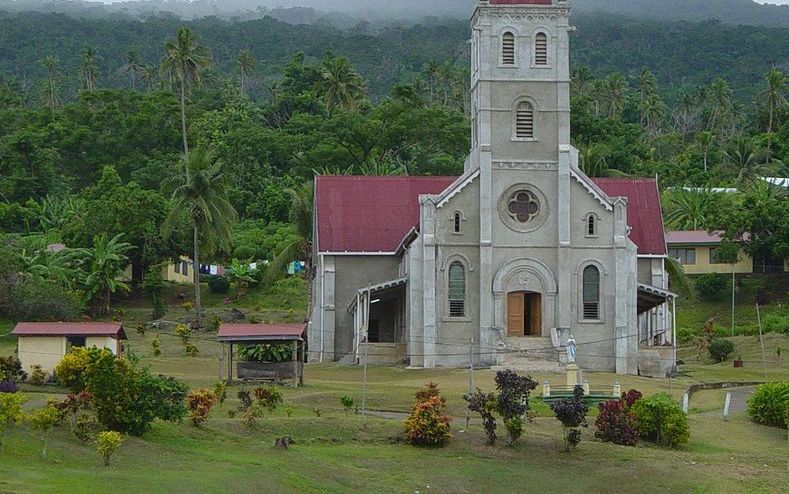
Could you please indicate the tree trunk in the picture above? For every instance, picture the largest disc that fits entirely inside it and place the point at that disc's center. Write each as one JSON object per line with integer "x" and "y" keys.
{"x": 196, "y": 275}
{"x": 241, "y": 86}
{"x": 183, "y": 122}
{"x": 770, "y": 129}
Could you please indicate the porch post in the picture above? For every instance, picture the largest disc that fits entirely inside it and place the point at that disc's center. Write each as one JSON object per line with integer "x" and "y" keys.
{"x": 295, "y": 363}
{"x": 230, "y": 362}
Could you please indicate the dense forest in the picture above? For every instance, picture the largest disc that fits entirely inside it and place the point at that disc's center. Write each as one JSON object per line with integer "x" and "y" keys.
{"x": 136, "y": 142}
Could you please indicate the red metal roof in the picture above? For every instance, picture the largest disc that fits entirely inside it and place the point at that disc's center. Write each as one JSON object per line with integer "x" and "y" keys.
{"x": 370, "y": 214}
{"x": 252, "y": 332}
{"x": 110, "y": 329}
{"x": 643, "y": 211}
{"x": 373, "y": 214}
{"x": 693, "y": 237}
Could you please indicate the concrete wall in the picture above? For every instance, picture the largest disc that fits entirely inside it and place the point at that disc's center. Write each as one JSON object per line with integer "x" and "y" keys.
{"x": 46, "y": 351}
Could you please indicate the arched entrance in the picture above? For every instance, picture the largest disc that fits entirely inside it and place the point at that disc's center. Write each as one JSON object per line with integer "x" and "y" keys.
{"x": 524, "y": 314}
{"x": 524, "y": 298}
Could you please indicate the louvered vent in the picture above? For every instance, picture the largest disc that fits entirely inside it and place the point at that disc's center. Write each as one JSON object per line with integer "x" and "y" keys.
{"x": 541, "y": 49}
{"x": 591, "y": 311}
{"x": 508, "y": 49}
{"x": 524, "y": 121}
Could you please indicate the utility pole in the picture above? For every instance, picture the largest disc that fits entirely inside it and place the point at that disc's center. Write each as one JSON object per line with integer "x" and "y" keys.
{"x": 761, "y": 340}
{"x": 733, "y": 284}
{"x": 470, "y": 376}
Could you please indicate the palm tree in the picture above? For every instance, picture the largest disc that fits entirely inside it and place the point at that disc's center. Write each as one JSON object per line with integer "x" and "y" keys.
{"x": 240, "y": 273}
{"x": 690, "y": 210}
{"x": 342, "y": 87}
{"x": 431, "y": 70}
{"x": 148, "y": 74}
{"x": 185, "y": 60}
{"x": 89, "y": 70}
{"x": 719, "y": 94}
{"x": 200, "y": 191}
{"x": 705, "y": 140}
{"x": 103, "y": 265}
{"x": 616, "y": 86}
{"x": 652, "y": 112}
{"x": 134, "y": 66}
{"x": 742, "y": 160}
{"x": 687, "y": 113}
{"x": 593, "y": 159}
{"x": 647, "y": 87}
{"x": 50, "y": 63}
{"x": 581, "y": 78}
{"x": 775, "y": 99}
{"x": 246, "y": 66}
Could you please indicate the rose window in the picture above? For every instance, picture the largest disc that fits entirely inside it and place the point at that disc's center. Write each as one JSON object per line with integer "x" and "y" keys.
{"x": 523, "y": 206}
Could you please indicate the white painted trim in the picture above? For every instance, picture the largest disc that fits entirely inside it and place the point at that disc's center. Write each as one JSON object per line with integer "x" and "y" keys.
{"x": 357, "y": 253}
{"x": 652, "y": 256}
{"x": 592, "y": 188}
{"x": 456, "y": 188}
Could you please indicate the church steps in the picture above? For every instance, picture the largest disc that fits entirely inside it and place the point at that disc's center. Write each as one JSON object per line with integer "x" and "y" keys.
{"x": 530, "y": 354}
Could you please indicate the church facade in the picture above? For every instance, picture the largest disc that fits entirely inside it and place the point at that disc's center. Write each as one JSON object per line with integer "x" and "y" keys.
{"x": 504, "y": 263}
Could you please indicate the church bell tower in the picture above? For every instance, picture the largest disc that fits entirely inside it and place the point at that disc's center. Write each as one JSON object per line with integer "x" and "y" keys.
{"x": 520, "y": 80}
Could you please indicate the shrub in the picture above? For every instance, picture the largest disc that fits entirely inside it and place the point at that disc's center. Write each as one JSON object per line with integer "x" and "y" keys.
{"x": 282, "y": 352}
{"x": 720, "y": 349}
{"x": 11, "y": 369}
{"x": 428, "y": 425}
{"x": 8, "y": 387}
{"x": 38, "y": 376}
{"x": 156, "y": 346}
{"x": 218, "y": 284}
{"x": 513, "y": 401}
{"x": 712, "y": 287}
{"x": 10, "y": 413}
{"x": 33, "y": 299}
{"x": 85, "y": 424}
{"x": 485, "y": 406}
{"x": 213, "y": 324}
{"x": 199, "y": 403}
{"x": 43, "y": 420}
{"x": 769, "y": 405}
{"x": 107, "y": 443}
{"x": 616, "y": 423}
{"x": 347, "y": 404}
{"x": 220, "y": 390}
{"x": 571, "y": 412}
{"x": 661, "y": 420}
{"x": 72, "y": 369}
{"x": 268, "y": 398}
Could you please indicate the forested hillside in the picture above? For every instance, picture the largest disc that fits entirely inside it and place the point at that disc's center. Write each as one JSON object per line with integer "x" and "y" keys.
{"x": 682, "y": 55}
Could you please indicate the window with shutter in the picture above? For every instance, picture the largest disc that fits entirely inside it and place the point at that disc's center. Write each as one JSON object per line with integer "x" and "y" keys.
{"x": 457, "y": 290}
{"x": 591, "y": 293}
{"x": 541, "y": 49}
{"x": 508, "y": 49}
{"x": 591, "y": 226}
{"x": 458, "y": 222}
{"x": 524, "y": 120}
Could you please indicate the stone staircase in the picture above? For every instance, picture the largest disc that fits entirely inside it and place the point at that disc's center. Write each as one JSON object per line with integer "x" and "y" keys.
{"x": 530, "y": 355}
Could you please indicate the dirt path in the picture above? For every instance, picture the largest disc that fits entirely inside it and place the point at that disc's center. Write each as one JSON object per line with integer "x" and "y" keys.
{"x": 739, "y": 402}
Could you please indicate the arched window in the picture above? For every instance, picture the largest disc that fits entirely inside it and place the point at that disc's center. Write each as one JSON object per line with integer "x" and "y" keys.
{"x": 591, "y": 293}
{"x": 591, "y": 226}
{"x": 541, "y": 49}
{"x": 508, "y": 49}
{"x": 458, "y": 221}
{"x": 524, "y": 120}
{"x": 457, "y": 290}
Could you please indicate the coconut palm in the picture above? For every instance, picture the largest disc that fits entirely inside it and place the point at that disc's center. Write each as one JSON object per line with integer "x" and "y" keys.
{"x": 647, "y": 87}
{"x": 742, "y": 160}
{"x": 50, "y": 64}
{"x": 653, "y": 110}
{"x": 200, "y": 193}
{"x": 593, "y": 159}
{"x": 719, "y": 97}
{"x": 246, "y": 67}
{"x": 89, "y": 69}
{"x": 690, "y": 210}
{"x": 134, "y": 66}
{"x": 148, "y": 75}
{"x": 616, "y": 94}
{"x": 185, "y": 61}
{"x": 431, "y": 69}
{"x": 581, "y": 78}
{"x": 103, "y": 265}
{"x": 341, "y": 86}
{"x": 774, "y": 96}
{"x": 704, "y": 140}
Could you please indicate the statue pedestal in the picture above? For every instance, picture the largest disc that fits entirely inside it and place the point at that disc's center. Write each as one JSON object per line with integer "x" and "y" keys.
{"x": 572, "y": 375}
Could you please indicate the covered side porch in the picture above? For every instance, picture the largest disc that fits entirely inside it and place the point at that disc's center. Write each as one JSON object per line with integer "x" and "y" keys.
{"x": 657, "y": 333}
{"x": 379, "y": 323}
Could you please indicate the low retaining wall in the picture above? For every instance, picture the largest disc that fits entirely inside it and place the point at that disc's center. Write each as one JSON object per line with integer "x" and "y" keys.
{"x": 268, "y": 370}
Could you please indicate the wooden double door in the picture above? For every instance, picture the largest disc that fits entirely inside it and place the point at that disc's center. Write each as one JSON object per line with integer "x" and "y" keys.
{"x": 524, "y": 314}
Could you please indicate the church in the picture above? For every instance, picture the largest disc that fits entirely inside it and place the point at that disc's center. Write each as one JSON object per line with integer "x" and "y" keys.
{"x": 501, "y": 265}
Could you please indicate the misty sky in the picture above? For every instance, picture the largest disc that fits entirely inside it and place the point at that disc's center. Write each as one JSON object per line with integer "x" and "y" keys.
{"x": 322, "y": 3}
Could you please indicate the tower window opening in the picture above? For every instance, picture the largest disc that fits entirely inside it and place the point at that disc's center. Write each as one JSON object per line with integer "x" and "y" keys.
{"x": 508, "y": 49}
{"x": 541, "y": 49}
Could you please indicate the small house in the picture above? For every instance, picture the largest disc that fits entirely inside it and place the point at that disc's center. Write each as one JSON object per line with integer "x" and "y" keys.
{"x": 698, "y": 252}
{"x": 46, "y": 343}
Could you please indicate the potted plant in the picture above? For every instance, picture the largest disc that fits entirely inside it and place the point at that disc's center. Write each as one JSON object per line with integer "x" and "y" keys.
{"x": 738, "y": 362}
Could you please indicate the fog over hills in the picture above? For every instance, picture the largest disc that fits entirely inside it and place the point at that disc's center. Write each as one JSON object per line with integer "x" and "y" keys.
{"x": 350, "y": 11}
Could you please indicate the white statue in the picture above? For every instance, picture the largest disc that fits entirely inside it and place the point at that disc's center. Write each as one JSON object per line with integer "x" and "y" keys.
{"x": 571, "y": 348}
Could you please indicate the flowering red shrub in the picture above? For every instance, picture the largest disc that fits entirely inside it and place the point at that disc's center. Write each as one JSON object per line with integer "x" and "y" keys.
{"x": 428, "y": 425}
{"x": 199, "y": 403}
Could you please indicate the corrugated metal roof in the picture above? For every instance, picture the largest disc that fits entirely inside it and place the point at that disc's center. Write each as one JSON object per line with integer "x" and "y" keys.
{"x": 693, "y": 237}
{"x": 260, "y": 332}
{"x": 643, "y": 211}
{"x": 111, "y": 329}
{"x": 373, "y": 214}
{"x": 370, "y": 214}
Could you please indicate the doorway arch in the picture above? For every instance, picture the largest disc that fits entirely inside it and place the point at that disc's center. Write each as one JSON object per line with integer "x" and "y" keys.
{"x": 525, "y": 276}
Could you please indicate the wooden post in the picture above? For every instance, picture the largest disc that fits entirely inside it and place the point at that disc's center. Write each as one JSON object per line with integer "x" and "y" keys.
{"x": 301, "y": 364}
{"x": 295, "y": 363}
{"x": 230, "y": 363}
